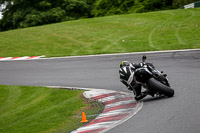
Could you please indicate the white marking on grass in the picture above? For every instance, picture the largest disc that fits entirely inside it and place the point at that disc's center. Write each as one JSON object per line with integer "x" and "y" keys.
{"x": 156, "y": 28}
{"x": 116, "y": 42}
{"x": 180, "y": 41}
{"x": 94, "y": 43}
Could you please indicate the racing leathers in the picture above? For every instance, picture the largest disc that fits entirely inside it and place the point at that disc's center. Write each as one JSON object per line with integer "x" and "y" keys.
{"x": 128, "y": 79}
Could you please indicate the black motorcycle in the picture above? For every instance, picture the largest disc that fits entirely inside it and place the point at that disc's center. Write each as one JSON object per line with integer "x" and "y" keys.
{"x": 153, "y": 80}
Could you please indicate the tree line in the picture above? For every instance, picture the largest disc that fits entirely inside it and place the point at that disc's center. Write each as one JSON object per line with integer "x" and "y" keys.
{"x": 27, "y": 13}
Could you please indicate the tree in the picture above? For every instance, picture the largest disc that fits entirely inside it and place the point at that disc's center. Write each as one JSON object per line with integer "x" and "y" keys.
{"x": 26, "y": 13}
{"x": 109, "y": 7}
{"x": 180, "y": 3}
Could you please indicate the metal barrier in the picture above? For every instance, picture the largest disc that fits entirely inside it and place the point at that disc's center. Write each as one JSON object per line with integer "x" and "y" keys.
{"x": 192, "y": 5}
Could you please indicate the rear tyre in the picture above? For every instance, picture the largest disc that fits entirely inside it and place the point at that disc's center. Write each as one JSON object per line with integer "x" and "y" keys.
{"x": 161, "y": 88}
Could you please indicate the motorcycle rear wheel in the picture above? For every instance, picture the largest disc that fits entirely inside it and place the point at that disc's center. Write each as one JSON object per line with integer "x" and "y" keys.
{"x": 161, "y": 88}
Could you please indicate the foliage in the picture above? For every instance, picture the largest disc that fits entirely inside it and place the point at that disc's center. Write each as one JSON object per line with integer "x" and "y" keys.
{"x": 108, "y": 7}
{"x": 179, "y": 3}
{"x": 26, "y": 13}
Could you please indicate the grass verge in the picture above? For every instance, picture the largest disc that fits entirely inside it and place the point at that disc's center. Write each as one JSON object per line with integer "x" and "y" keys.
{"x": 39, "y": 109}
{"x": 161, "y": 30}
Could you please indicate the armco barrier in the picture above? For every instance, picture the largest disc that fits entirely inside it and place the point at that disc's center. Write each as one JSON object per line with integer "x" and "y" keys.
{"x": 192, "y": 5}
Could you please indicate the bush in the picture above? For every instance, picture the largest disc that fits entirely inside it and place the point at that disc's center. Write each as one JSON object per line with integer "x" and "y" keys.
{"x": 110, "y": 7}
{"x": 38, "y": 18}
{"x": 77, "y": 8}
{"x": 26, "y": 13}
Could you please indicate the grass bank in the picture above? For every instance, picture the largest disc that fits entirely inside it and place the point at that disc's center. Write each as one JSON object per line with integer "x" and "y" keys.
{"x": 38, "y": 109}
{"x": 161, "y": 30}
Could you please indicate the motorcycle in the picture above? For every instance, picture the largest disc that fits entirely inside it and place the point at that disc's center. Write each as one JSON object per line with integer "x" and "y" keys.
{"x": 153, "y": 80}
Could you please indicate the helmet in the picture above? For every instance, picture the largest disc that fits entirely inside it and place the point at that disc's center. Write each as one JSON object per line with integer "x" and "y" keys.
{"x": 124, "y": 63}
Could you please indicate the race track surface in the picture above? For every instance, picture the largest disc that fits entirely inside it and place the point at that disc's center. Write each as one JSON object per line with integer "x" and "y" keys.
{"x": 180, "y": 114}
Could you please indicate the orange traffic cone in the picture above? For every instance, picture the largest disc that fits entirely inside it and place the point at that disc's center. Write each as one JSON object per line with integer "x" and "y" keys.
{"x": 84, "y": 117}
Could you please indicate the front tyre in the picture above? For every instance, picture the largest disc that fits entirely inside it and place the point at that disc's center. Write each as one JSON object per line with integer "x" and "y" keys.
{"x": 161, "y": 88}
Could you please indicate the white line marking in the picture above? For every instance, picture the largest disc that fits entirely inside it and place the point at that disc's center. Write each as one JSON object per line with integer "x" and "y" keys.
{"x": 92, "y": 94}
{"x": 96, "y": 126}
{"x": 119, "y": 103}
{"x": 118, "y": 54}
{"x": 114, "y": 97}
{"x": 115, "y": 112}
{"x": 6, "y": 58}
{"x": 21, "y": 58}
{"x": 139, "y": 106}
{"x": 103, "y": 55}
{"x": 107, "y": 99}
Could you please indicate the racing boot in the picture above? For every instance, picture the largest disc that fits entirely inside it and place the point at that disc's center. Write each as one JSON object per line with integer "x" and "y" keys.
{"x": 141, "y": 96}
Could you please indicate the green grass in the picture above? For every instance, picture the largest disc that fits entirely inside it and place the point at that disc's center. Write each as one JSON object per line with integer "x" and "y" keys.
{"x": 38, "y": 109}
{"x": 161, "y": 30}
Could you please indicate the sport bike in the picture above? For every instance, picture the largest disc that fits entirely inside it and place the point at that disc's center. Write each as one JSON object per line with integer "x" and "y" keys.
{"x": 154, "y": 81}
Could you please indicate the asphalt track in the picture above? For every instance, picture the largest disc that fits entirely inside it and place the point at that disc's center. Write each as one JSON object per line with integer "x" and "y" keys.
{"x": 180, "y": 114}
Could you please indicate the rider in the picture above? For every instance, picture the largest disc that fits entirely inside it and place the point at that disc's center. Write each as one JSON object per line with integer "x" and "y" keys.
{"x": 127, "y": 77}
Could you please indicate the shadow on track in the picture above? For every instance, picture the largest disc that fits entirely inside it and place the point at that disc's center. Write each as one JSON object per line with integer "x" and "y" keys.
{"x": 149, "y": 99}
